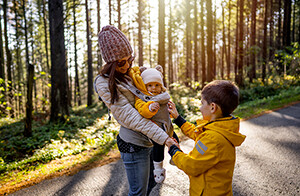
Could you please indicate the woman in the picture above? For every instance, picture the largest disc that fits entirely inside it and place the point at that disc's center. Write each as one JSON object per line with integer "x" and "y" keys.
{"x": 115, "y": 88}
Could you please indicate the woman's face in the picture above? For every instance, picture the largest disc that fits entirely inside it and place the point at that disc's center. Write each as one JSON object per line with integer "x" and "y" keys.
{"x": 123, "y": 69}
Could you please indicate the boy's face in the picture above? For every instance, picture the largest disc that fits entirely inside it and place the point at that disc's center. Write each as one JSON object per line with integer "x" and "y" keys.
{"x": 206, "y": 110}
{"x": 154, "y": 87}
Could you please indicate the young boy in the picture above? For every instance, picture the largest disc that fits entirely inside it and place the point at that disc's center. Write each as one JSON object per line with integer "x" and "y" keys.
{"x": 210, "y": 164}
{"x": 150, "y": 82}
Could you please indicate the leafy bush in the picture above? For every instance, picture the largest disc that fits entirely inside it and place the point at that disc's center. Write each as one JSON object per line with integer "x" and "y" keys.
{"x": 86, "y": 128}
{"x": 287, "y": 61}
{"x": 258, "y": 90}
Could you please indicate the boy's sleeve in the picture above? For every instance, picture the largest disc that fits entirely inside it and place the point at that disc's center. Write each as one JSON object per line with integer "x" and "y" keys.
{"x": 143, "y": 108}
{"x": 203, "y": 157}
{"x": 186, "y": 127}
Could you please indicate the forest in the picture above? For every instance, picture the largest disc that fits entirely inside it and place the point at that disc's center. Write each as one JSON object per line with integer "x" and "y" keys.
{"x": 49, "y": 57}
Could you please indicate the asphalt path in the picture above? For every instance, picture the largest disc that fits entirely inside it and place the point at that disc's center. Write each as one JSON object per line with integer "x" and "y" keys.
{"x": 268, "y": 163}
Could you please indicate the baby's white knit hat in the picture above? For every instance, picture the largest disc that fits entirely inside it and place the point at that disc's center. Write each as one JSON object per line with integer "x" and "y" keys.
{"x": 152, "y": 75}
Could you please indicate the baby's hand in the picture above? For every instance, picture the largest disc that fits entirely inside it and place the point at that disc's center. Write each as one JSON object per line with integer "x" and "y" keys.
{"x": 172, "y": 109}
{"x": 154, "y": 107}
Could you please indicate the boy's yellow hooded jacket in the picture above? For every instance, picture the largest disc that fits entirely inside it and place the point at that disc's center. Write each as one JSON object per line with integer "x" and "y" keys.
{"x": 211, "y": 163}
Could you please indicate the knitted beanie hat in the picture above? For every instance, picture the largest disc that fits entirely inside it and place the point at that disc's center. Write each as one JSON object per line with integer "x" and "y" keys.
{"x": 152, "y": 75}
{"x": 113, "y": 44}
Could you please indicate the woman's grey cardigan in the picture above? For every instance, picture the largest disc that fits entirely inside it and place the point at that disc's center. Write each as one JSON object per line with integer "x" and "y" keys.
{"x": 134, "y": 129}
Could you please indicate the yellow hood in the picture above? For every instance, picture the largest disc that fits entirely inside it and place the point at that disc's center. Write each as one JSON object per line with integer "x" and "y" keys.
{"x": 228, "y": 127}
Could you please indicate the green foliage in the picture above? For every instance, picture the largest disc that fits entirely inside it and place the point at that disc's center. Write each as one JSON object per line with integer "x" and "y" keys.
{"x": 258, "y": 90}
{"x": 287, "y": 61}
{"x": 283, "y": 97}
{"x": 86, "y": 128}
{"x": 187, "y": 101}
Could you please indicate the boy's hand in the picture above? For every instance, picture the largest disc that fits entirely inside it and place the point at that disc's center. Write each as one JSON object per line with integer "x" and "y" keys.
{"x": 154, "y": 107}
{"x": 172, "y": 109}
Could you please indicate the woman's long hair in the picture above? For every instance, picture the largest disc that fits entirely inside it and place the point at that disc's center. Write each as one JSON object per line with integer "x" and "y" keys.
{"x": 109, "y": 70}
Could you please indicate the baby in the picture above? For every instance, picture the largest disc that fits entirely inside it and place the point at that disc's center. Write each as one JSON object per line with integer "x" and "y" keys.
{"x": 158, "y": 112}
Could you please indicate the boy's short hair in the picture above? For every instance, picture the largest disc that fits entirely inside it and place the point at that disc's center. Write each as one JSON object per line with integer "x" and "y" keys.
{"x": 224, "y": 93}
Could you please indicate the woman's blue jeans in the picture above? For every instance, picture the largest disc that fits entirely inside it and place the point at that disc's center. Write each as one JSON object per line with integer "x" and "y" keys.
{"x": 139, "y": 169}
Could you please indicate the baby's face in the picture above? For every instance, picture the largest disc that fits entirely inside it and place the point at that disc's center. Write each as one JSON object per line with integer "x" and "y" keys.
{"x": 154, "y": 87}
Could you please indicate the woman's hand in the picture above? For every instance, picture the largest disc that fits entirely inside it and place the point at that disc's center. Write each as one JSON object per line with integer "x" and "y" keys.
{"x": 169, "y": 142}
{"x": 172, "y": 109}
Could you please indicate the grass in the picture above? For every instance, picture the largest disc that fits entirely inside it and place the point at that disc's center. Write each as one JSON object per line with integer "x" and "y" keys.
{"x": 255, "y": 107}
{"x": 87, "y": 138}
{"x": 83, "y": 139}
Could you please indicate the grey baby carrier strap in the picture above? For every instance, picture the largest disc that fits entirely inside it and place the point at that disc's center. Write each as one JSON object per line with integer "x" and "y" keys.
{"x": 136, "y": 91}
{"x": 132, "y": 89}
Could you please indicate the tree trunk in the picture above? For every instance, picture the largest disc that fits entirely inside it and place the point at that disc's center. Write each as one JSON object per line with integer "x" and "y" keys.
{"x": 77, "y": 93}
{"x": 119, "y": 15}
{"x": 47, "y": 92}
{"x": 140, "y": 35}
{"x": 161, "y": 36}
{"x": 196, "y": 65}
{"x": 8, "y": 61}
{"x": 70, "y": 84}
{"x": 29, "y": 107}
{"x": 229, "y": 41}
{"x": 203, "y": 60}
{"x": 2, "y": 73}
{"x": 241, "y": 42}
{"x": 46, "y": 36}
{"x": 265, "y": 52}
{"x": 18, "y": 60}
{"x": 26, "y": 36}
{"x": 298, "y": 25}
{"x": 90, "y": 60}
{"x": 150, "y": 43}
{"x": 271, "y": 46}
{"x": 31, "y": 26}
{"x": 247, "y": 59}
{"x": 224, "y": 42}
{"x": 279, "y": 36}
{"x": 294, "y": 19}
{"x": 59, "y": 97}
{"x": 2, "y": 67}
{"x": 210, "y": 64}
{"x": 170, "y": 47}
{"x": 287, "y": 23}
{"x": 215, "y": 42}
{"x": 252, "y": 74}
{"x": 98, "y": 30}
{"x": 109, "y": 11}
{"x": 188, "y": 67}
{"x": 236, "y": 41}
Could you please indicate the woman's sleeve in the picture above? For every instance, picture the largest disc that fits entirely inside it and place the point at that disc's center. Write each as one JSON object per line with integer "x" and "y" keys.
{"x": 127, "y": 116}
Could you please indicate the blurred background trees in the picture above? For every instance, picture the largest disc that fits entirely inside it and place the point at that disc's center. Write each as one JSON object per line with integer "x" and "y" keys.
{"x": 194, "y": 41}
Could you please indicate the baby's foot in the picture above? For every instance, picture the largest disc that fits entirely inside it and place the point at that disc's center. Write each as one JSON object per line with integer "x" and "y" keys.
{"x": 159, "y": 175}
